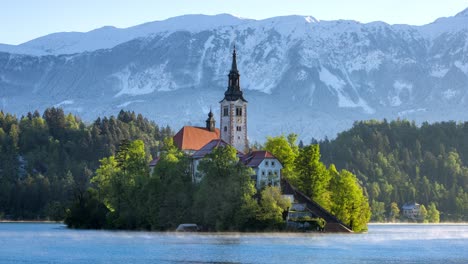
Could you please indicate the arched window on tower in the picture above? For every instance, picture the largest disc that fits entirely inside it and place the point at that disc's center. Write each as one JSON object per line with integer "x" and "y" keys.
{"x": 238, "y": 111}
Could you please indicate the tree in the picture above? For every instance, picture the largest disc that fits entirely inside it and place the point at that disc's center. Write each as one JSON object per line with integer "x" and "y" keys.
{"x": 176, "y": 188}
{"x": 312, "y": 177}
{"x": 433, "y": 215}
{"x": 224, "y": 199}
{"x": 120, "y": 183}
{"x": 348, "y": 201}
{"x": 378, "y": 211}
{"x": 394, "y": 212}
{"x": 272, "y": 208}
{"x": 422, "y": 213}
{"x": 285, "y": 150}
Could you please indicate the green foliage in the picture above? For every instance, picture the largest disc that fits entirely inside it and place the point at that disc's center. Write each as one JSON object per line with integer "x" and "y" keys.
{"x": 394, "y": 212}
{"x": 44, "y": 157}
{"x": 272, "y": 208}
{"x": 286, "y": 151}
{"x": 400, "y": 162}
{"x": 176, "y": 188}
{"x": 86, "y": 212}
{"x": 423, "y": 213}
{"x": 312, "y": 177}
{"x": 224, "y": 200}
{"x": 336, "y": 191}
{"x": 348, "y": 201}
{"x": 378, "y": 211}
{"x": 433, "y": 215}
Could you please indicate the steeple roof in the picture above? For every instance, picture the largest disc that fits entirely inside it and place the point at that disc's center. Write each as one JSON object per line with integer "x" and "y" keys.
{"x": 210, "y": 122}
{"x": 234, "y": 61}
{"x": 234, "y": 92}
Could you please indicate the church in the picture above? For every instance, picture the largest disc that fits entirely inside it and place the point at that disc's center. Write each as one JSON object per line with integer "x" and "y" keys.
{"x": 197, "y": 142}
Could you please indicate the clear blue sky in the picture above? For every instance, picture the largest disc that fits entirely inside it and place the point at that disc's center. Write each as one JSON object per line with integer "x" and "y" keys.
{"x": 23, "y": 20}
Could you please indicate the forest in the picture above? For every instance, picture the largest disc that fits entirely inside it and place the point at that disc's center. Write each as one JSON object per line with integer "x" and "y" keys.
{"x": 45, "y": 159}
{"x": 399, "y": 162}
{"x": 54, "y": 166}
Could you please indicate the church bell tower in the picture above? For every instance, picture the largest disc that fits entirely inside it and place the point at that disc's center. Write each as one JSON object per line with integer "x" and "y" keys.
{"x": 233, "y": 107}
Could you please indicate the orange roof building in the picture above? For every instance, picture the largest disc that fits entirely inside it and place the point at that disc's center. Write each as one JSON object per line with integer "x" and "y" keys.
{"x": 191, "y": 139}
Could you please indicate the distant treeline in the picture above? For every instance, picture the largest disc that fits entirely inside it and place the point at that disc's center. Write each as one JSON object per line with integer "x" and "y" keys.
{"x": 400, "y": 162}
{"x": 45, "y": 158}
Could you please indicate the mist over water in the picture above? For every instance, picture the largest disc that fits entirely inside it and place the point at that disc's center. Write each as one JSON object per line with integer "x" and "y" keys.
{"x": 53, "y": 243}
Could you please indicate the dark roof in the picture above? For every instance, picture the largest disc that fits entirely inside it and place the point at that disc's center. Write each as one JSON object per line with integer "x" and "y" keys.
{"x": 194, "y": 138}
{"x": 254, "y": 158}
{"x": 234, "y": 92}
{"x": 208, "y": 148}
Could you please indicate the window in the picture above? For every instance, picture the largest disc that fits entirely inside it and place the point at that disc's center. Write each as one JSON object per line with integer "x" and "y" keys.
{"x": 276, "y": 173}
{"x": 225, "y": 111}
{"x": 239, "y": 128}
{"x": 272, "y": 163}
{"x": 238, "y": 111}
{"x": 263, "y": 173}
{"x": 225, "y": 129}
{"x": 266, "y": 163}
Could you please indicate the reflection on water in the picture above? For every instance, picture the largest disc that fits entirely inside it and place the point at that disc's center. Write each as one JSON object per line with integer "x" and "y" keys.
{"x": 53, "y": 243}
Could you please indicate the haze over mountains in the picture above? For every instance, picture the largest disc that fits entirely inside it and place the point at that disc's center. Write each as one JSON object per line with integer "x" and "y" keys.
{"x": 299, "y": 74}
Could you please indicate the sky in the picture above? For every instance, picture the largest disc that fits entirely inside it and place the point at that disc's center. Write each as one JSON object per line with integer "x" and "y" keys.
{"x": 23, "y": 20}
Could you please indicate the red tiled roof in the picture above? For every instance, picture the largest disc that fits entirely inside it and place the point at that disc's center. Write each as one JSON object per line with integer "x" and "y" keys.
{"x": 254, "y": 158}
{"x": 208, "y": 148}
{"x": 194, "y": 138}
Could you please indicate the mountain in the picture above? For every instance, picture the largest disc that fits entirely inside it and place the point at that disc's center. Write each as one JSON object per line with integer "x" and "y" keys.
{"x": 299, "y": 74}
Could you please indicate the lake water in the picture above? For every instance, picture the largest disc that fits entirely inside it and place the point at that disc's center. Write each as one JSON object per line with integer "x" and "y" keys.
{"x": 53, "y": 243}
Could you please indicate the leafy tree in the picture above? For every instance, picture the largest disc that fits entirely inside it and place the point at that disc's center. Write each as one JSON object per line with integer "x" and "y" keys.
{"x": 286, "y": 151}
{"x": 378, "y": 211}
{"x": 312, "y": 177}
{"x": 224, "y": 199}
{"x": 86, "y": 212}
{"x": 348, "y": 201}
{"x": 423, "y": 213}
{"x": 433, "y": 215}
{"x": 119, "y": 183}
{"x": 272, "y": 208}
{"x": 394, "y": 212}
{"x": 176, "y": 188}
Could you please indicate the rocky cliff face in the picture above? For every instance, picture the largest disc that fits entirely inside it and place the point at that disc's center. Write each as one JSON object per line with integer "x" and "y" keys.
{"x": 299, "y": 74}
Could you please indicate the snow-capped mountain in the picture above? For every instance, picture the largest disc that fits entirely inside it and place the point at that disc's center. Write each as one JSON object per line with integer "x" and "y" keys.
{"x": 299, "y": 74}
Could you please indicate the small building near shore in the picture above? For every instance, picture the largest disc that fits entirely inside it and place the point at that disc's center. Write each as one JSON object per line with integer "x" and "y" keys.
{"x": 411, "y": 210}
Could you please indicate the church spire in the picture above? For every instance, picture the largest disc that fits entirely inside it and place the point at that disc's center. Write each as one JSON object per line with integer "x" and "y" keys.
{"x": 233, "y": 118}
{"x": 234, "y": 92}
{"x": 234, "y": 61}
{"x": 210, "y": 122}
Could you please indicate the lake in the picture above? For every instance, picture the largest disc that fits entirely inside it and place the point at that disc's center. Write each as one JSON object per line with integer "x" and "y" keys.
{"x": 54, "y": 243}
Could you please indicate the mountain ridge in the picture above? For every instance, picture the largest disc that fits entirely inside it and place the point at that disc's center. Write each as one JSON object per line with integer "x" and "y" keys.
{"x": 310, "y": 77}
